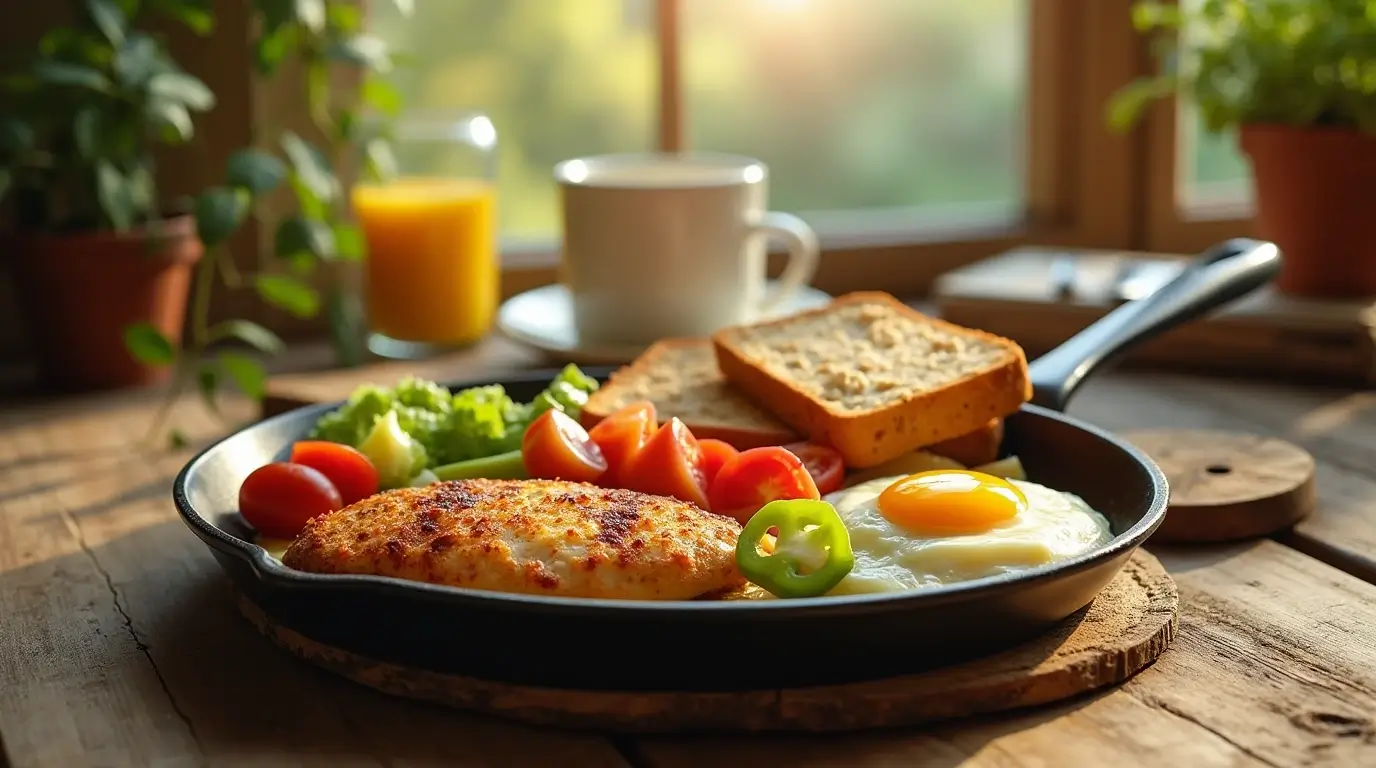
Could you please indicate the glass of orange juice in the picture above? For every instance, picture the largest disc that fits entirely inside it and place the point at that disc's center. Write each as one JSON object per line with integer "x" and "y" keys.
{"x": 432, "y": 267}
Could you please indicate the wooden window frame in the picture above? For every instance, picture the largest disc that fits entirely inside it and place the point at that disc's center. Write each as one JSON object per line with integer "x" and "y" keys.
{"x": 1174, "y": 225}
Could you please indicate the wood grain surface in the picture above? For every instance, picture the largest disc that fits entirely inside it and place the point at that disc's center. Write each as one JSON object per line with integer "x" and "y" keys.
{"x": 1272, "y": 667}
{"x": 1227, "y": 485}
{"x": 123, "y": 646}
{"x": 1126, "y": 628}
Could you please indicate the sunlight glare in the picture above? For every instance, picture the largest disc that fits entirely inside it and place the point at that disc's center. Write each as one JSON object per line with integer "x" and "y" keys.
{"x": 785, "y": 5}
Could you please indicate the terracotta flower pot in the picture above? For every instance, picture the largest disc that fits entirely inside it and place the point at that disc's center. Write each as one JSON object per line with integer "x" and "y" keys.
{"x": 79, "y": 292}
{"x": 1316, "y": 199}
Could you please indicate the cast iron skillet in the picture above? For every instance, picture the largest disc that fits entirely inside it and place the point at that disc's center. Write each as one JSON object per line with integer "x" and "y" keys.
{"x": 706, "y": 645}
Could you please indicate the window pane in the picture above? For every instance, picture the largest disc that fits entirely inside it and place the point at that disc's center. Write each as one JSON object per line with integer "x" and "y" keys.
{"x": 865, "y": 104}
{"x": 1214, "y": 169}
{"x": 559, "y": 78}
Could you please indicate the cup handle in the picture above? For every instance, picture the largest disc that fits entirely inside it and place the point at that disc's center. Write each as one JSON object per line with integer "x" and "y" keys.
{"x": 803, "y": 255}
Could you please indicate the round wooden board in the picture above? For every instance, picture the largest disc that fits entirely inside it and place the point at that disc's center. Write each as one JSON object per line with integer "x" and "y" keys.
{"x": 1126, "y": 627}
{"x": 1228, "y": 485}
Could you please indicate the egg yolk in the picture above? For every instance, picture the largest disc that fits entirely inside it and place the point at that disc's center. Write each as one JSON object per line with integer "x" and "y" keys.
{"x": 949, "y": 501}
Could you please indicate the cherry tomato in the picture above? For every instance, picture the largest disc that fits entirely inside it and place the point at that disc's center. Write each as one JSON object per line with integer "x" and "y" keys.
{"x": 351, "y": 472}
{"x": 825, "y": 464}
{"x": 715, "y": 454}
{"x": 555, "y": 447}
{"x": 757, "y": 477}
{"x": 669, "y": 465}
{"x": 277, "y": 499}
{"x": 621, "y": 436}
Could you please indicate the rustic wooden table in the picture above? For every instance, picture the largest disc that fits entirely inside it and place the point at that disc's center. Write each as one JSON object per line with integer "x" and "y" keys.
{"x": 121, "y": 647}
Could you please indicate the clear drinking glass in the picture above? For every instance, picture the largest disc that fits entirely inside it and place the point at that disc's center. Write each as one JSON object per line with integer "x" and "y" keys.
{"x": 432, "y": 268}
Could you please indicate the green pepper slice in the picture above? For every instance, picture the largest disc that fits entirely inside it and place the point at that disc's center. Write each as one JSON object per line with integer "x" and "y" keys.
{"x": 812, "y": 553}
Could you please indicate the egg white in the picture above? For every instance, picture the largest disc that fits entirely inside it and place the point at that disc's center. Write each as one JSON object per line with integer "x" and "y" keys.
{"x": 889, "y": 558}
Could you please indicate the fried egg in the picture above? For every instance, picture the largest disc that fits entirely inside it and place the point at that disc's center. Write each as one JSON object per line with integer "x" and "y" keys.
{"x": 948, "y": 525}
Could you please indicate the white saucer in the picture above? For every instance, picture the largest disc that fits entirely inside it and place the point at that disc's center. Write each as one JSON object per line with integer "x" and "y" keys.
{"x": 543, "y": 318}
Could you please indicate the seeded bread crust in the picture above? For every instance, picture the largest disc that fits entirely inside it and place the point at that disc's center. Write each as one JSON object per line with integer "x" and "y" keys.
{"x": 680, "y": 376}
{"x": 873, "y": 377}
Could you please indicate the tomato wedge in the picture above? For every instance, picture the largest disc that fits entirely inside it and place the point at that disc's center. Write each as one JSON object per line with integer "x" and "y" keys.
{"x": 555, "y": 447}
{"x": 824, "y": 463}
{"x": 352, "y": 473}
{"x": 715, "y": 454}
{"x": 670, "y": 465}
{"x": 278, "y": 499}
{"x": 757, "y": 477}
{"x": 621, "y": 436}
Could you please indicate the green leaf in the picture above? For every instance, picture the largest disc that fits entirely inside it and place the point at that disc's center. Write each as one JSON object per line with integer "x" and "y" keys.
{"x": 148, "y": 345}
{"x": 381, "y": 163}
{"x": 75, "y": 75}
{"x": 219, "y": 211}
{"x": 276, "y": 13}
{"x": 364, "y": 50}
{"x": 172, "y": 118}
{"x": 108, "y": 18}
{"x": 270, "y": 50}
{"x": 289, "y": 294}
{"x": 188, "y": 90}
{"x": 74, "y": 45}
{"x": 16, "y": 136}
{"x": 310, "y": 166}
{"x": 1147, "y": 16}
{"x": 197, "y": 15}
{"x": 250, "y": 333}
{"x": 208, "y": 382}
{"x": 296, "y": 235}
{"x": 348, "y": 242}
{"x": 258, "y": 172}
{"x": 311, "y": 14}
{"x": 343, "y": 17}
{"x": 138, "y": 60}
{"x": 112, "y": 191}
{"x": 248, "y": 374}
{"x": 1126, "y": 106}
{"x": 311, "y": 207}
{"x": 86, "y": 132}
{"x": 382, "y": 96}
{"x": 143, "y": 191}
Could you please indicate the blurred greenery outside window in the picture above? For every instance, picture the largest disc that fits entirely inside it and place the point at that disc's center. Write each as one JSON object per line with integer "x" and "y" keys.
{"x": 888, "y": 117}
{"x": 873, "y": 115}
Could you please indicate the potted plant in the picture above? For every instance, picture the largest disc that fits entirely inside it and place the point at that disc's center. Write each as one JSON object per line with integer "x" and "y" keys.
{"x": 1298, "y": 79}
{"x": 94, "y": 249}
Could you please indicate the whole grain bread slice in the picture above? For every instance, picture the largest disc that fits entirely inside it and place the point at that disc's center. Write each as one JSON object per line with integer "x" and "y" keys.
{"x": 873, "y": 377}
{"x": 681, "y": 377}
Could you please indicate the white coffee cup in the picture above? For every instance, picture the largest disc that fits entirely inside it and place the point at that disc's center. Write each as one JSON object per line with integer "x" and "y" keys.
{"x": 661, "y": 245}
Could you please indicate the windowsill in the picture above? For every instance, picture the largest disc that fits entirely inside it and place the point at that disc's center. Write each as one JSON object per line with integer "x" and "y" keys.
{"x": 846, "y": 230}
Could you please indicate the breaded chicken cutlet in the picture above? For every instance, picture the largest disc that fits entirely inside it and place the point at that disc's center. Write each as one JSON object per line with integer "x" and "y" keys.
{"x": 544, "y": 537}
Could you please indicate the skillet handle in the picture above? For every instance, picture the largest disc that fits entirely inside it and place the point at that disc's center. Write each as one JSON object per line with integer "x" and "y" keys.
{"x": 1222, "y": 274}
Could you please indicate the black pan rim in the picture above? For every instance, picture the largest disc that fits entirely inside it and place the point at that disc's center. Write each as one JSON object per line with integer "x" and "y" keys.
{"x": 272, "y": 572}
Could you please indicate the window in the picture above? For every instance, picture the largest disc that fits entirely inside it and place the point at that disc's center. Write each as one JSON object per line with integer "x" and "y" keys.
{"x": 873, "y": 113}
{"x": 559, "y": 78}
{"x": 915, "y": 135}
{"x": 1215, "y": 170}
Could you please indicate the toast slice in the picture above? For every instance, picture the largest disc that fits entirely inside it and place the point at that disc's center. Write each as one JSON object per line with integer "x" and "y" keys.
{"x": 680, "y": 376}
{"x": 873, "y": 377}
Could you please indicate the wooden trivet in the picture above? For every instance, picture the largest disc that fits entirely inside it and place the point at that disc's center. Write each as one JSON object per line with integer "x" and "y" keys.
{"x": 1126, "y": 627}
{"x": 1227, "y": 485}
